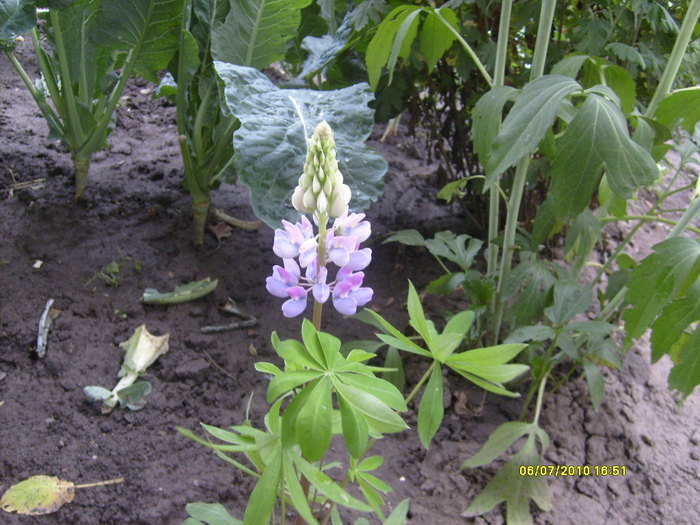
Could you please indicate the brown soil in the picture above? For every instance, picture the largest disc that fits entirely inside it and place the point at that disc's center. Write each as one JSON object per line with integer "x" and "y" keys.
{"x": 136, "y": 208}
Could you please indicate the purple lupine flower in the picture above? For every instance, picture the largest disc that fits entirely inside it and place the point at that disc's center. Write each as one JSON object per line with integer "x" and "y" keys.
{"x": 348, "y": 293}
{"x": 283, "y": 278}
{"x": 353, "y": 226}
{"x": 288, "y": 242}
{"x": 297, "y": 302}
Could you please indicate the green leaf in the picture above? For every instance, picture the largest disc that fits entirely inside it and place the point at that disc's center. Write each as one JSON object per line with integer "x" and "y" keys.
{"x": 399, "y": 515}
{"x": 255, "y": 32}
{"x": 582, "y": 237}
{"x": 151, "y": 31}
{"x": 328, "y": 487}
{"x": 380, "y": 47}
{"x": 264, "y": 496}
{"x": 397, "y": 339}
{"x": 296, "y": 492}
{"x": 534, "y": 279}
{"x": 596, "y": 383}
{"x": 314, "y": 421}
{"x": 530, "y": 333}
{"x": 570, "y": 299}
{"x": 455, "y": 248}
{"x": 681, "y": 106}
{"x": 134, "y": 396}
{"x": 499, "y": 441}
{"x": 445, "y": 344}
{"x": 435, "y": 38}
{"x": 211, "y": 514}
{"x": 431, "y": 408}
{"x": 626, "y": 53}
{"x": 488, "y": 115}
{"x": 685, "y": 376}
{"x": 408, "y": 237}
{"x": 416, "y": 314}
{"x": 286, "y": 381}
{"x": 622, "y": 83}
{"x": 379, "y": 388}
{"x": 405, "y": 35}
{"x": 460, "y": 323}
{"x": 355, "y": 429}
{"x": 270, "y": 145}
{"x": 570, "y": 65}
{"x": 324, "y": 49}
{"x": 532, "y": 115}
{"x": 377, "y": 413}
{"x": 486, "y": 384}
{"x": 181, "y": 294}
{"x": 17, "y": 17}
{"x": 393, "y": 360}
{"x": 516, "y": 490}
{"x": 667, "y": 273}
{"x": 673, "y": 320}
{"x": 490, "y": 355}
{"x": 367, "y": 11}
{"x": 97, "y": 393}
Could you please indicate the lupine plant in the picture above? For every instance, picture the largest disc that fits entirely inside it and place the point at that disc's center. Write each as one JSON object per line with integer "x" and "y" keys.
{"x": 322, "y": 392}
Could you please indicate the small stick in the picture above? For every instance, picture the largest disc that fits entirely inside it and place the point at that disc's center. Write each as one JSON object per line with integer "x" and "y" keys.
{"x": 100, "y": 483}
{"x": 44, "y": 324}
{"x": 231, "y": 326}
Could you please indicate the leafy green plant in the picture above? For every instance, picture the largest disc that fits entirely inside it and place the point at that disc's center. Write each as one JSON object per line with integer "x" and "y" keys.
{"x": 93, "y": 50}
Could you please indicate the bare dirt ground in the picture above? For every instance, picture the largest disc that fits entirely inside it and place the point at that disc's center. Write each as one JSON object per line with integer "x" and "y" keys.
{"x": 136, "y": 208}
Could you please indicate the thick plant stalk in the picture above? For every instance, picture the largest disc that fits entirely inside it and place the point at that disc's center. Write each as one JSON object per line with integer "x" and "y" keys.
{"x": 200, "y": 211}
{"x": 498, "y": 80}
{"x": 538, "y": 62}
{"x": 81, "y": 167}
{"x": 674, "y": 61}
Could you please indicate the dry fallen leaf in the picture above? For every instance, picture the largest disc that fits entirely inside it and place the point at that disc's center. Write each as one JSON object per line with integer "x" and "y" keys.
{"x": 38, "y": 495}
{"x": 221, "y": 230}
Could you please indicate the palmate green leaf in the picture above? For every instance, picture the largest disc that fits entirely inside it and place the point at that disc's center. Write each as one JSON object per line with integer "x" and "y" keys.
{"x": 527, "y": 122}
{"x": 530, "y": 333}
{"x": 498, "y": 442}
{"x": 367, "y": 11}
{"x": 296, "y": 492}
{"x": 665, "y": 274}
{"x": 596, "y": 383}
{"x": 379, "y": 388}
{"x": 682, "y": 106}
{"x": 515, "y": 490}
{"x": 416, "y": 314}
{"x": 533, "y": 279}
{"x": 151, "y": 31}
{"x": 210, "y": 514}
{"x": 17, "y": 17}
{"x": 326, "y": 486}
{"x": 673, "y": 321}
{"x": 399, "y": 515}
{"x": 293, "y": 352}
{"x": 685, "y": 376}
{"x": 379, "y": 415}
{"x": 286, "y": 381}
{"x": 314, "y": 421}
{"x": 255, "y": 32}
{"x": 431, "y": 409}
{"x": 264, "y": 496}
{"x": 355, "y": 429}
{"x": 435, "y": 38}
{"x": 270, "y": 145}
{"x": 488, "y": 114}
{"x": 570, "y": 299}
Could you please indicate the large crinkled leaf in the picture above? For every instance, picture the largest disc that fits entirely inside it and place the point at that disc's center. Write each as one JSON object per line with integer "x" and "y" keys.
{"x": 525, "y": 126}
{"x": 255, "y": 32}
{"x": 151, "y": 30}
{"x": 681, "y": 106}
{"x": 324, "y": 49}
{"x": 16, "y": 18}
{"x": 271, "y": 142}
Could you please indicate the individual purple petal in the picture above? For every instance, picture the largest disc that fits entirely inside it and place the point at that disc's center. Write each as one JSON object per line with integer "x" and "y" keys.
{"x": 361, "y": 232}
{"x": 276, "y": 287}
{"x": 291, "y": 266}
{"x": 339, "y": 249}
{"x": 297, "y": 302}
{"x": 343, "y": 274}
{"x": 362, "y": 295}
{"x": 346, "y": 306}
{"x": 360, "y": 259}
{"x": 308, "y": 252}
{"x": 321, "y": 292}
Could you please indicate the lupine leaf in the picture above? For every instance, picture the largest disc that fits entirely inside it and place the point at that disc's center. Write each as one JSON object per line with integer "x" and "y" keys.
{"x": 314, "y": 421}
{"x": 377, "y": 413}
{"x": 211, "y": 514}
{"x": 431, "y": 408}
{"x": 270, "y": 145}
{"x": 264, "y": 496}
{"x": 328, "y": 487}
{"x": 498, "y": 442}
{"x": 355, "y": 430}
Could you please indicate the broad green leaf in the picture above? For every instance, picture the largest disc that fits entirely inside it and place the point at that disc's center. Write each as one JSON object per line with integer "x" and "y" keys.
{"x": 134, "y": 396}
{"x": 314, "y": 421}
{"x": 490, "y": 355}
{"x": 17, "y": 17}
{"x": 460, "y": 323}
{"x": 530, "y": 333}
{"x": 626, "y": 53}
{"x": 150, "y": 31}
{"x": 534, "y": 280}
{"x": 582, "y": 237}
{"x": 399, "y": 515}
{"x": 622, "y": 83}
{"x": 416, "y": 314}
{"x": 682, "y": 106}
{"x": 328, "y": 487}
{"x": 498, "y": 442}
{"x": 435, "y": 38}
{"x": 592, "y": 328}
{"x": 97, "y": 393}
{"x": 286, "y": 381}
{"x": 673, "y": 320}
{"x": 405, "y": 35}
{"x": 379, "y": 388}
{"x": 267, "y": 368}
{"x": 431, "y": 408}
{"x": 355, "y": 430}
{"x": 324, "y": 49}
{"x": 37, "y": 495}
{"x": 264, "y": 496}
{"x": 270, "y": 145}
{"x": 454, "y": 248}
{"x": 370, "y": 463}
{"x": 570, "y": 299}
{"x": 181, "y": 294}
{"x": 488, "y": 115}
{"x": 570, "y": 65}
{"x": 377, "y": 413}
{"x": 665, "y": 274}
{"x": 255, "y": 32}
{"x": 515, "y": 490}
{"x": 408, "y": 237}
{"x": 596, "y": 383}
{"x": 292, "y": 351}
{"x": 685, "y": 376}
{"x": 296, "y": 492}
{"x": 380, "y": 47}
{"x": 393, "y": 360}
{"x": 525, "y": 126}
{"x": 445, "y": 344}
{"x": 367, "y": 11}
{"x": 211, "y": 514}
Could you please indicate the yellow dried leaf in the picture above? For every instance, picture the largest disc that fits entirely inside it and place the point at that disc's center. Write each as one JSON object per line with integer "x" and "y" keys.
{"x": 38, "y": 495}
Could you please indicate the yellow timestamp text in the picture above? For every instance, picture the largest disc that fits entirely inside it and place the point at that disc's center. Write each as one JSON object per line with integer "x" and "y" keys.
{"x": 572, "y": 470}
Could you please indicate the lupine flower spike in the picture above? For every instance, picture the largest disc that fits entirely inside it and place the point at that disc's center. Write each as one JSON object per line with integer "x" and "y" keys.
{"x": 321, "y": 193}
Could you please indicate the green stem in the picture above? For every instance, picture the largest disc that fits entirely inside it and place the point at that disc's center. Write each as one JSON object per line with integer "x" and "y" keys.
{"x": 420, "y": 383}
{"x": 200, "y": 210}
{"x": 467, "y": 48}
{"x": 322, "y": 233}
{"x": 647, "y": 218}
{"x": 540, "y": 398}
{"x": 81, "y": 167}
{"x": 674, "y": 61}
{"x": 684, "y": 222}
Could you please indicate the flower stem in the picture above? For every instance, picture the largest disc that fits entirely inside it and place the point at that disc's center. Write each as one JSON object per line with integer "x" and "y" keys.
{"x": 322, "y": 234}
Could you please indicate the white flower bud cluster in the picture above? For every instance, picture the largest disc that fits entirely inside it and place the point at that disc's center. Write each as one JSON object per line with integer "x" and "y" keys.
{"x": 321, "y": 190}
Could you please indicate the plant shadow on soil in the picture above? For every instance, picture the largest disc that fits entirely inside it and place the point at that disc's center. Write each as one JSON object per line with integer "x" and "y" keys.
{"x": 136, "y": 208}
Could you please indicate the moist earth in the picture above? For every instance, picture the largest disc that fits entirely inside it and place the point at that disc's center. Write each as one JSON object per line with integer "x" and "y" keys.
{"x": 138, "y": 214}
